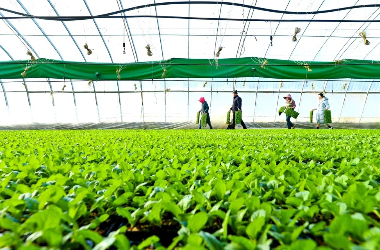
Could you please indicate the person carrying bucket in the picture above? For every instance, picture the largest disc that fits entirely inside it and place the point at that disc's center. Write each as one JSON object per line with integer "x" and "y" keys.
{"x": 290, "y": 104}
{"x": 204, "y": 110}
{"x": 236, "y": 106}
{"x": 323, "y": 104}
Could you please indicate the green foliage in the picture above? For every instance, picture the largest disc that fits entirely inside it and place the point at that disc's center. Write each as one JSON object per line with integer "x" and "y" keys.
{"x": 327, "y": 114}
{"x": 277, "y": 189}
{"x": 311, "y": 116}
{"x": 291, "y": 112}
{"x": 198, "y": 114}
{"x": 238, "y": 116}
{"x": 228, "y": 117}
{"x": 281, "y": 110}
{"x": 204, "y": 120}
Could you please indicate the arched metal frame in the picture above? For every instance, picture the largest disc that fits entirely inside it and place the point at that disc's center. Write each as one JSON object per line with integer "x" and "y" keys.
{"x": 162, "y": 53}
{"x": 332, "y": 33}
{"x": 51, "y": 43}
{"x": 133, "y": 48}
{"x": 304, "y": 32}
{"x": 243, "y": 37}
{"x": 109, "y": 53}
{"x": 2, "y": 85}
{"x": 30, "y": 47}
{"x": 365, "y": 102}
{"x": 137, "y": 59}
{"x": 80, "y": 51}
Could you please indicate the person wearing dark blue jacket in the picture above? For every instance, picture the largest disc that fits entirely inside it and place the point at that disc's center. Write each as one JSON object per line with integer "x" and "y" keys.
{"x": 205, "y": 109}
{"x": 236, "y": 106}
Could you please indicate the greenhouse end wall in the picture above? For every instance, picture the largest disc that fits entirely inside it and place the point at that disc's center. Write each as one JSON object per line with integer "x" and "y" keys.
{"x": 176, "y": 100}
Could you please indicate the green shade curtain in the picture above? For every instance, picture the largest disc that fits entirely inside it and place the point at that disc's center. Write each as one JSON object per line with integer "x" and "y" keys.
{"x": 191, "y": 68}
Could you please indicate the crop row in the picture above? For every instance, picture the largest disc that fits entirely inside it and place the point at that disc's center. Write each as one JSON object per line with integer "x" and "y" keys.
{"x": 257, "y": 189}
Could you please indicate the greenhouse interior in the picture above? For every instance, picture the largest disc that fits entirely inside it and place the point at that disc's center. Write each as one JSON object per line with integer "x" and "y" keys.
{"x": 167, "y": 124}
{"x": 164, "y": 92}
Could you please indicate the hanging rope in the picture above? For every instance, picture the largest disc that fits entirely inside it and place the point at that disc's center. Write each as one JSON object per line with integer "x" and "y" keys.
{"x": 89, "y": 51}
{"x": 364, "y": 36}
{"x": 296, "y": 31}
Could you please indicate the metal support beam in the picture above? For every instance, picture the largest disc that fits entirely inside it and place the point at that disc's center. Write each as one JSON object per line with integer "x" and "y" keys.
{"x": 134, "y": 51}
{"x": 6, "y": 52}
{"x": 160, "y": 91}
{"x": 336, "y": 27}
{"x": 5, "y": 93}
{"x": 344, "y": 100}
{"x": 275, "y": 31}
{"x": 188, "y": 56}
{"x": 242, "y": 36}
{"x": 109, "y": 53}
{"x": 162, "y": 51}
{"x": 142, "y": 103}
{"x": 299, "y": 39}
{"x": 356, "y": 32}
{"x": 51, "y": 43}
{"x": 27, "y": 44}
{"x": 96, "y": 100}
{"x": 67, "y": 29}
{"x": 76, "y": 44}
{"x": 278, "y": 98}
{"x": 365, "y": 102}
{"x": 299, "y": 103}
{"x": 2, "y": 85}
{"x": 132, "y": 43}
{"x": 217, "y": 29}
{"x": 254, "y": 107}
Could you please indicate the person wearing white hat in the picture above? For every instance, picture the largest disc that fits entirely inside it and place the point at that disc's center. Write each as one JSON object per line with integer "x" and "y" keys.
{"x": 290, "y": 103}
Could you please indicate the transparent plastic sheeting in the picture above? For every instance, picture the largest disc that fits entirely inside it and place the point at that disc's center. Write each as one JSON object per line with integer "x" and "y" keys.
{"x": 175, "y": 100}
{"x": 170, "y": 38}
{"x": 46, "y": 102}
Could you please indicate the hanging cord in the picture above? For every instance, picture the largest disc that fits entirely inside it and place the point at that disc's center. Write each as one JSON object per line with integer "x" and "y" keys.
{"x": 124, "y": 41}
{"x": 64, "y": 77}
{"x": 147, "y": 42}
{"x": 271, "y": 37}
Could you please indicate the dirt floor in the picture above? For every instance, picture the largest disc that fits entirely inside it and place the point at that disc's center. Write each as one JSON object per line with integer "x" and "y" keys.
{"x": 183, "y": 125}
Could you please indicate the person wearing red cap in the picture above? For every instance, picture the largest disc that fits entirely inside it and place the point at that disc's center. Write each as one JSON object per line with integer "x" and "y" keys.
{"x": 204, "y": 109}
{"x": 290, "y": 104}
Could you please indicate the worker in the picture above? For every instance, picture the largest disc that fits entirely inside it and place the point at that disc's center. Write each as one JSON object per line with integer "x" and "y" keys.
{"x": 323, "y": 104}
{"x": 290, "y": 104}
{"x": 236, "y": 106}
{"x": 205, "y": 109}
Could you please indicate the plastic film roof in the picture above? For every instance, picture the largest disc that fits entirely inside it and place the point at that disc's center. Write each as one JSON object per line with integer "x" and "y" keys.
{"x": 178, "y": 38}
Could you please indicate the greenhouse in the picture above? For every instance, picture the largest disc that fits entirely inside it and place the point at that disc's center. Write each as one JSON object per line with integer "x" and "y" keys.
{"x": 68, "y": 84}
{"x": 123, "y": 124}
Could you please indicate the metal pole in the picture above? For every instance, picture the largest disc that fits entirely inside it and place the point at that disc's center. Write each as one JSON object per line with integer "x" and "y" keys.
{"x": 188, "y": 56}
{"x": 165, "y": 98}
{"x": 118, "y": 92}
{"x": 344, "y": 100}
{"x": 365, "y": 102}
{"x": 278, "y": 98}
{"x": 299, "y": 104}
{"x": 6, "y": 99}
{"x": 142, "y": 103}
{"x": 96, "y": 100}
{"x": 254, "y": 107}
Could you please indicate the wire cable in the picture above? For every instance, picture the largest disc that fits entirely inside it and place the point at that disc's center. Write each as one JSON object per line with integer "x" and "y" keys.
{"x": 111, "y": 14}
